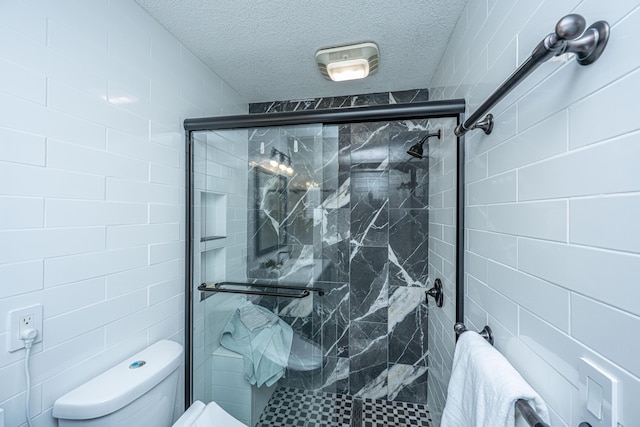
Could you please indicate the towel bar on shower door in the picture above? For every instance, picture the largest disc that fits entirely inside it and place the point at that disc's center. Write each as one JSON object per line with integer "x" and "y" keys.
{"x": 218, "y": 287}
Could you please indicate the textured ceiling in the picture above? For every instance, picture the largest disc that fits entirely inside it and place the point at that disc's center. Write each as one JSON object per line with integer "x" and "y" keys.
{"x": 265, "y": 49}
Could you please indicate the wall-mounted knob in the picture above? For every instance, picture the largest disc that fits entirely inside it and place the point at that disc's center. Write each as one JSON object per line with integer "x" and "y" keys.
{"x": 436, "y": 293}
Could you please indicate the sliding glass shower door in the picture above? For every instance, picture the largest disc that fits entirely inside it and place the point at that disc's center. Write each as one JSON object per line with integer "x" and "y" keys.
{"x": 311, "y": 248}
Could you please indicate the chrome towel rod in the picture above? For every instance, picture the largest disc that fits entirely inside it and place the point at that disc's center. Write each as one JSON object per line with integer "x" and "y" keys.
{"x": 569, "y": 37}
{"x": 528, "y": 413}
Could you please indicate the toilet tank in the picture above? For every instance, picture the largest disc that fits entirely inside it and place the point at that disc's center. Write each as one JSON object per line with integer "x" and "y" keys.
{"x": 140, "y": 391}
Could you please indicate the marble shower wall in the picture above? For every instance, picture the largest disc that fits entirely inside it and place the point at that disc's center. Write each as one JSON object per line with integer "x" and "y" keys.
{"x": 366, "y": 244}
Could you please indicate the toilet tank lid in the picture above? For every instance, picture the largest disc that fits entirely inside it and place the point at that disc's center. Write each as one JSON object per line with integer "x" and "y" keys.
{"x": 120, "y": 385}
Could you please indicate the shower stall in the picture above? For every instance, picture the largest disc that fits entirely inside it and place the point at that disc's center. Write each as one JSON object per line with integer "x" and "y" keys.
{"x": 312, "y": 238}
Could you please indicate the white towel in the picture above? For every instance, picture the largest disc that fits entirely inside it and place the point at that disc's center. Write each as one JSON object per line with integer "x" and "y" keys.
{"x": 484, "y": 387}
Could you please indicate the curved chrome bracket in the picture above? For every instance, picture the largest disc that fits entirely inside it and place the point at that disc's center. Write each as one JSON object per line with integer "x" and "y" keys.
{"x": 571, "y": 37}
{"x": 436, "y": 293}
{"x": 485, "y": 333}
{"x": 485, "y": 124}
{"x": 591, "y": 44}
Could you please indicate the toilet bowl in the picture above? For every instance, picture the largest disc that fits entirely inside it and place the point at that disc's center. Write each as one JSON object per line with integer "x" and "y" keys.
{"x": 140, "y": 391}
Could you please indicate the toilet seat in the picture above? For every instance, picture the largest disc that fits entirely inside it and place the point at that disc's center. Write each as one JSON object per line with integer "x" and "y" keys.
{"x": 211, "y": 415}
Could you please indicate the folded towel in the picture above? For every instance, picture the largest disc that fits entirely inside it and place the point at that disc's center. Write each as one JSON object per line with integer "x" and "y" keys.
{"x": 484, "y": 387}
{"x": 264, "y": 344}
{"x": 255, "y": 317}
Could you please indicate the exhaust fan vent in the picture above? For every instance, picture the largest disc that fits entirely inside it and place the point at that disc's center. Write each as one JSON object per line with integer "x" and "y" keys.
{"x": 348, "y": 62}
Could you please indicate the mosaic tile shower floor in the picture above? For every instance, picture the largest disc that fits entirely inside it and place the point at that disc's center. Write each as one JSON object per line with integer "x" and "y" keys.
{"x": 299, "y": 408}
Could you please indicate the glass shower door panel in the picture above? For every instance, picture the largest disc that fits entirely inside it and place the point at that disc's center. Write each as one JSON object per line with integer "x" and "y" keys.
{"x": 260, "y": 214}
{"x": 344, "y": 212}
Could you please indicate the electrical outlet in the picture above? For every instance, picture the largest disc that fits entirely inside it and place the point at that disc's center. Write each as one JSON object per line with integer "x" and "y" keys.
{"x": 24, "y": 323}
{"x": 20, "y": 320}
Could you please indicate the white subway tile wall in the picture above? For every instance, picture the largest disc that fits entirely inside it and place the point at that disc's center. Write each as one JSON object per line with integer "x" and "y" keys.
{"x": 552, "y": 249}
{"x": 442, "y": 261}
{"x": 92, "y": 154}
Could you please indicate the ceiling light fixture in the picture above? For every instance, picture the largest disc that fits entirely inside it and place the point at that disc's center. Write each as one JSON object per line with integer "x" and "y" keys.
{"x": 350, "y": 62}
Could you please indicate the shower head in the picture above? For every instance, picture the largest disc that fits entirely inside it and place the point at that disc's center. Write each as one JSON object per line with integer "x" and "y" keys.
{"x": 416, "y": 150}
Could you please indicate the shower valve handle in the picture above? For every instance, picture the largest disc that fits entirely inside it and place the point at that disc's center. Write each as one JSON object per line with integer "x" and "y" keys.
{"x": 436, "y": 293}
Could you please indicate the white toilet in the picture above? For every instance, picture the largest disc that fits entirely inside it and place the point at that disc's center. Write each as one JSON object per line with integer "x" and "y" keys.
{"x": 140, "y": 391}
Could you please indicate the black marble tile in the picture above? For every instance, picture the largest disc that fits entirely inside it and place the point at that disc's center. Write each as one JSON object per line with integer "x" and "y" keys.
{"x": 414, "y": 391}
{"x": 368, "y": 128}
{"x": 368, "y": 359}
{"x": 409, "y": 96}
{"x": 369, "y": 149}
{"x": 343, "y": 322}
{"x": 381, "y": 98}
{"x": 302, "y": 326}
{"x": 333, "y": 102}
{"x": 407, "y": 325}
{"x": 408, "y": 187}
{"x": 265, "y": 107}
{"x": 369, "y": 207}
{"x": 268, "y": 302}
{"x": 297, "y": 265}
{"x": 335, "y": 375}
{"x": 328, "y": 313}
{"x": 344, "y": 148}
{"x": 408, "y": 247}
{"x": 305, "y": 380}
{"x": 335, "y": 246}
{"x": 369, "y": 284}
{"x": 298, "y": 227}
{"x": 369, "y": 243}
{"x": 299, "y": 105}
{"x": 344, "y": 186}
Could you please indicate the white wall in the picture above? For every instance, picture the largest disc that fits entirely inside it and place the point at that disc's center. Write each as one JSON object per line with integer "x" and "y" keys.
{"x": 553, "y": 197}
{"x": 92, "y": 99}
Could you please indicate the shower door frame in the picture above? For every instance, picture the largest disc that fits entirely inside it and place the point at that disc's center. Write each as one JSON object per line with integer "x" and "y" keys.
{"x": 454, "y": 108}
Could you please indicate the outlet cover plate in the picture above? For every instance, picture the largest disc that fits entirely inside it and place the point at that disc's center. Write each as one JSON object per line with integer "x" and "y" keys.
{"x": 14, "y": 342}
{"x": 606, "y": 386}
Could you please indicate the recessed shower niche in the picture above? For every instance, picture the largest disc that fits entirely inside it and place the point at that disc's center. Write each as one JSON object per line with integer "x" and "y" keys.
{"x": 213, "y": 265}
{"x": 213, "y": 216}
